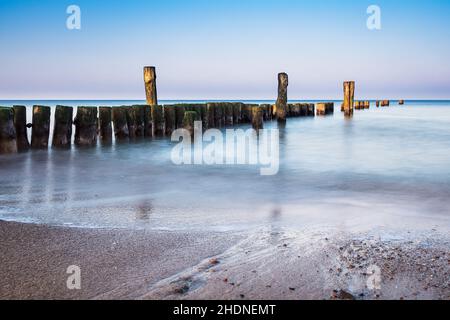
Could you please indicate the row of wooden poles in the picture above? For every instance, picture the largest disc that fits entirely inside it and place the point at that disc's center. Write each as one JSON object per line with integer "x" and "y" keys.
{"x": 350, "y": 104}
{"x": 152, "y": 120}
{"x": 129, "y": 122}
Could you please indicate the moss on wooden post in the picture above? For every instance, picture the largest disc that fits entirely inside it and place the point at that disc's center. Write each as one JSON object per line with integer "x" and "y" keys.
{"x": 41, "y": 127}
{"x": 62, "y": 129}
{"x": 20, "y": 124}
{"x": 104, "y": 124}
{"x": 8, "y": 142}
{"x": 119, "y": 116}
{"x": 150, "y": 85}
{"x": 282, "y": 99}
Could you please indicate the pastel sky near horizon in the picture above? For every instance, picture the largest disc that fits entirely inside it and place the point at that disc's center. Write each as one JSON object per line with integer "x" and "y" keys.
{"x": 221, "y": 49}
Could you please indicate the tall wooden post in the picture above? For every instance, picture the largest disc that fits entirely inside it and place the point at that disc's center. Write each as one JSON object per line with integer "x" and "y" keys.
{"x": 20, "y": 123}
{"x": 281, "y": 104}
{"x": 62, "y": 129}
{"x": 41, "y": 127}
{"x": 150, "y": 85}
{"x": 349, "y": 96}
{"x": 8, "y": 143}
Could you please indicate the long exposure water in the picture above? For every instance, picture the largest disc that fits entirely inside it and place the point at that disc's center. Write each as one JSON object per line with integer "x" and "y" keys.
{"x": 385, "y": 167}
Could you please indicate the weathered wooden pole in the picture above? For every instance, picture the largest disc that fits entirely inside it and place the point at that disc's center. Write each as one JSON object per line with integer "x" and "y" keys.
{"x": 62, "y": 129}
{"x": 104, "y": 124}
{"x": 210, "y": 115}
{"x": 237, "y": 107}
{"x": 8, "y": 142}
{"x": 150, "y": 85}
{"x": 86, "y": 126}
{"x": 139, "y": 115}
{"x": 119, "y": 116}
{"x": 310, "y": 109}
{"x": 170, "y": 119}
{"x": 189, "y": 121}
{"x": 41, "y": 127}
{"x": 321, "y": 109}
{"x": 157, "y": 120}
{"x": 20, "y": 124}
{"x": 349, "y": 96}
{"x": 257, "y": 118}
{"x": 281, "y": 104}
{"x": 228, "y": 114}
{"x": 179, "y": 115}
{"x": 131, "y": 121}
{"x": 148, "y": 125}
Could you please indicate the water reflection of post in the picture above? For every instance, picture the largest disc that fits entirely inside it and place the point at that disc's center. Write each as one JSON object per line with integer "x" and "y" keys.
{"x": 144, "y": 210}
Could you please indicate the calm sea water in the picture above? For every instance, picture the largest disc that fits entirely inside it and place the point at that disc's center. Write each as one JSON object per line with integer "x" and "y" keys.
{"x": 384, "y": 168}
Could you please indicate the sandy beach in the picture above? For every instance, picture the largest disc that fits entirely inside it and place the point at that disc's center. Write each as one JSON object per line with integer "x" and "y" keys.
{"x": 263, "y": 264}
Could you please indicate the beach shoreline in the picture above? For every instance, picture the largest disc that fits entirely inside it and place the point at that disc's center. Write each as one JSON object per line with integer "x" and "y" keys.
{"x": 258, "y": 264}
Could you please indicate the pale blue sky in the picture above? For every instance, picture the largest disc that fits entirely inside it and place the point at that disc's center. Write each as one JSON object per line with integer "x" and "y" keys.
{"x": 224, "y": 49}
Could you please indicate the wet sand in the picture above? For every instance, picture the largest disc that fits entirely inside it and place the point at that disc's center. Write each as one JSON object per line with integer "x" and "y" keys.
{"x": 258, "y": 264}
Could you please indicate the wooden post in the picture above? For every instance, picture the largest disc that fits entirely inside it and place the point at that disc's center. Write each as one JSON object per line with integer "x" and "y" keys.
{"x": 237, "y": 107}
{"x": 131, "y": 122}
{"x": 303, "y": 109}
{"x": 8, "y": 142}
{"x": 189, "y": 121}
{"x": 179, "y": 116}
{"x": 20, "y": 124}
{"x": 119, "y": 115}
{"x": 366, "y": 104}
{"x": 321, "y": 109}
{"x": 349, "y": 96}
{"x": 219, "y": 114}
{"x": 104, "y": 124}
{"x": 228, "y": 114}
{"x": 281, "y": 104}
{"x": 170, "y": 119}
{"x": 157, "y": 120}
{"x": 310, "y": 109}
{"x": 210, "y": 115}
{"x": 257, "y": 118}
{"x": 148, "y": 130}
{"x": 41, "y": 127}
{"x": 62, "y": 129}
{"x": 150, "y": 85}
{"x": 139, "y": 116}
{"x": 86, "y": 126}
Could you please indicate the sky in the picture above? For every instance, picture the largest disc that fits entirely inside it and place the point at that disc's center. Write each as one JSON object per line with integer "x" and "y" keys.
{"x": 224, "y": 49}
